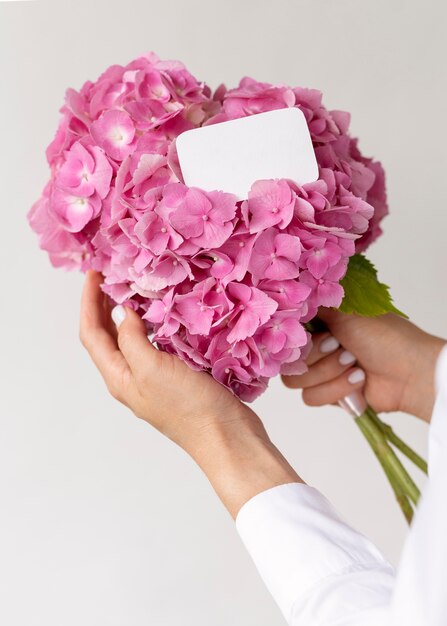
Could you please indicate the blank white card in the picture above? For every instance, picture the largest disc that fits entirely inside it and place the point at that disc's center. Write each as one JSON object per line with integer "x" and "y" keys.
{"x": 231, "y": 156}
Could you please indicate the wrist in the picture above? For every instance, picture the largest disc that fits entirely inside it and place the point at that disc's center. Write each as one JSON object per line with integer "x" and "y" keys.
{"x": 419, "y": 395}
{"x": 240, "y": 460}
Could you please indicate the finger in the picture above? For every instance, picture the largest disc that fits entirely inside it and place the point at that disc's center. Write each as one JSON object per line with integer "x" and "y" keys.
{"x": 142, "y": 357}
{"x": 332, "y": 316}
{"x": 336, "y": 389}
{"x": 97, "y": 339}
{"x": 322, "y": 345}
{"x": 324, "y": 370}
{"x": 345, "y": 327}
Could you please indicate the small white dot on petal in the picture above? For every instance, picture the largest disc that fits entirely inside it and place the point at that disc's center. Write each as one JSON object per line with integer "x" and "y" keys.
{"x": 205, "y": 218}
{"x": 275, "y": 209}
{"x": 227, "y": 371}
{"x": 175, "y": 262}
{"x": 116, "y": 135}
{"x": 77, "y": 202}
{"x": 241, "y": 244}
{"x": 163, "y": 230}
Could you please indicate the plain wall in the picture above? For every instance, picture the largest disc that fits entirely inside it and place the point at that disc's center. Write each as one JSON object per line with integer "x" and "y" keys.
{"x": 102, "y": 521}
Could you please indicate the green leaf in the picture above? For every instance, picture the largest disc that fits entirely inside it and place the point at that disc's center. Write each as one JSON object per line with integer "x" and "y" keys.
{"x": 364, "y": 293}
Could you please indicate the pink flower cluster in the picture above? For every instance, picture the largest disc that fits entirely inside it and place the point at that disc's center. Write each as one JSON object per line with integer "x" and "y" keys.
{"x": 225, "y": 285}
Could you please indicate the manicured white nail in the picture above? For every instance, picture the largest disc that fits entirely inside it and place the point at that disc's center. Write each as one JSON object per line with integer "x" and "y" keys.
{"x": 329, "y": 345}
{"x": 357, "y": 376}
{"x": 354, "y": 403}
{"x": 118, "y": 315}
{"x": 346, "y": 358}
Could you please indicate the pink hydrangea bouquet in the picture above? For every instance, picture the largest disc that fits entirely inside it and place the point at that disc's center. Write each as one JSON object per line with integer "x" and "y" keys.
{"x": 231, "y": 287}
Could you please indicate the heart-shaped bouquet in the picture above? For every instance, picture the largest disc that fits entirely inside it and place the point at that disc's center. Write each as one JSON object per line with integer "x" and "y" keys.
{"x": 228, "y": 286}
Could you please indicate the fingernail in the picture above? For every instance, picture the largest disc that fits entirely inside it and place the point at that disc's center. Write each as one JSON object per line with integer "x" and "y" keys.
{"x": 354, "y": 403}
{"x": 346, "y": 358}
{"x": 329, "y": 345}
{"x": 118, "y": 315}
{"x": 356, "y": 376}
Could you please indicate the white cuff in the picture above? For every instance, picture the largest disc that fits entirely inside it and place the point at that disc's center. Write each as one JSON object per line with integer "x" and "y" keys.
{"x": 310, "y": 559}
{"x": 437, "y": 440}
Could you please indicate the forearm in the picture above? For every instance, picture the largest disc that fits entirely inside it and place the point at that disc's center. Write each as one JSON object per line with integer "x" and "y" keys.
{"x": 240, "y": 461}
{"x": 419, "y": 394}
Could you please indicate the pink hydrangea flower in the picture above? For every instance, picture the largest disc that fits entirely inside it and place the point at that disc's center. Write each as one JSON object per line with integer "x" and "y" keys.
{"x": 377, "y": 198}
{"x": 149, "y": 114}
{"x": 230, "y": 373}
{"x": 275, "y": 255}
{"x": 168, "y": 269}
{"x": 153, "y": 233}
{"x": 290, "y": 294}
{"x": 321, "y": 254}
{"x": 226, "y": 286}
{"x": 270, "y": 202}
{"x": 202, "y": 306}
{"x": 283, "y": 330}
{"x": 252, "y": 309}
{"x": 114, "y": 132}
{"x": 205, "y": 218}
{"x": 252, "y": 97}
{"x": 160, "y": 314}
{"x": 85, "y": 171}
{"x": 65, "y": 249}
{"x": 80, "y": 185}
{"x": 326, "y": 291}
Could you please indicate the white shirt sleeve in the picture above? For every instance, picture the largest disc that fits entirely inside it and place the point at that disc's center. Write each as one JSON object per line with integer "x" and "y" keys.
{"x": 322, "y": 572}
{"x": 420, "y": 596}
{"x": 319, "y": 570}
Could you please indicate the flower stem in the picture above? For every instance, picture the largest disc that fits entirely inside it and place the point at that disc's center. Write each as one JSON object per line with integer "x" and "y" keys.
{"x": 399, "y": 493}
{"x": 397, "y": 441}
{"x": 403, "y": 486}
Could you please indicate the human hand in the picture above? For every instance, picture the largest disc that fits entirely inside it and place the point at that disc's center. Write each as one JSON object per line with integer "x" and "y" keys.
{"x": 158, "y": 387}
{"x": 394, "y": 363}
{"x": 224, "y": 436}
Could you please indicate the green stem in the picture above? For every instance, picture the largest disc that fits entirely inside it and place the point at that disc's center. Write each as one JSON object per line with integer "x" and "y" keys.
{"x": 400, "y": 495}
{"x": 397, "y": 441}
{"x": 400, "y": 480}
{"x": 375, "y": 444}
{"x": 404, "y": 504}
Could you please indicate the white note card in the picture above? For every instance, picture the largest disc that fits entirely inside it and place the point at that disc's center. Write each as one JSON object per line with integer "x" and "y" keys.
{"x": 230, "y": 156}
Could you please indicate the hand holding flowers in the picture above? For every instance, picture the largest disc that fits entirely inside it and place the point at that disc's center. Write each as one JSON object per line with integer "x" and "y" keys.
{"x": 397, "y": 357}
{"x": 223, "y": 435}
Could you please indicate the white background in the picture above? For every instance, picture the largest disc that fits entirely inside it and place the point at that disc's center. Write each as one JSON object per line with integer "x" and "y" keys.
{"x": 102, "y": 521}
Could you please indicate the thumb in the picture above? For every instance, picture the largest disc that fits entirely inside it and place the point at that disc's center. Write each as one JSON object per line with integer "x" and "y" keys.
{"x": 350, "y": 329}
{"x": 332, "y": 317}
{"x": 133, "y": 341}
